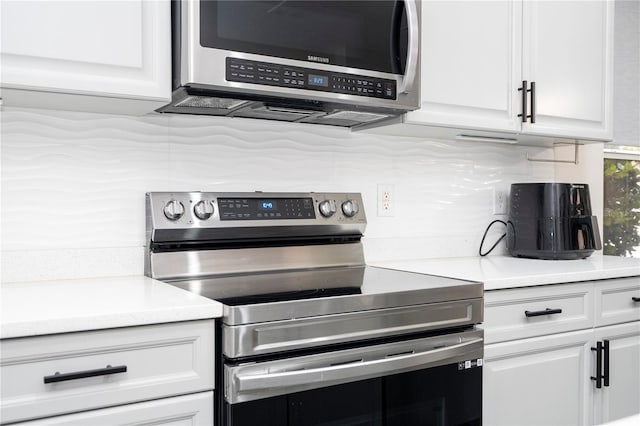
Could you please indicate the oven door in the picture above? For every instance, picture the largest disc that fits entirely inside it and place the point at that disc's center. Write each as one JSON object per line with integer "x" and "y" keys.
{"x": 429, "y": 381}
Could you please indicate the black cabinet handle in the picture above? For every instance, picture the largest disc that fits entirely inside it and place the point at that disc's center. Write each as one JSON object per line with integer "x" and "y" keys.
{"x": 532, "y": 116}
{"x": 606, "y": 362}
{"x": 524, "y": 91}
{"x": 547, "y": 311}
{"x": 635, "y": 299}
{"x": 598, "y": 377}
{"x": 57, "y": 377}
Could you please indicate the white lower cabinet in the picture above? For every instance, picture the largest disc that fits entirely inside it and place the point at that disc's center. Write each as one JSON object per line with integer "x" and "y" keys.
{"x": 621, "y": 397}
{"x": 196, "y": 409}
{"x": 541, "y": 358}
{"x": 538, "y": 381}
{"x": 108, "y": 375}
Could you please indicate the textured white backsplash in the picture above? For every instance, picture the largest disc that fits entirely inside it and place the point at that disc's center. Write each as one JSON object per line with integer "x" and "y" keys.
{"x": 73, "y": 184}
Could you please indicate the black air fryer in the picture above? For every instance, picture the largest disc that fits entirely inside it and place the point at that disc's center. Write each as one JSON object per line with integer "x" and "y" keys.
{"x": 551, "y": 221}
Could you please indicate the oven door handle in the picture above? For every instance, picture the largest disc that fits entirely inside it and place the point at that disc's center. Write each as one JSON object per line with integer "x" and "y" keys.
{"x": 357, "y": 370}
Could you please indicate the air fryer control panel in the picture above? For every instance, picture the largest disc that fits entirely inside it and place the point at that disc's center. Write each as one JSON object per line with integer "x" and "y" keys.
{"x": 245, "y": 71}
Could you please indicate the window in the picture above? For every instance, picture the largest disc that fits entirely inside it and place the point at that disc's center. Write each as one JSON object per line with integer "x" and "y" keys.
{"x": 621, "y": 227}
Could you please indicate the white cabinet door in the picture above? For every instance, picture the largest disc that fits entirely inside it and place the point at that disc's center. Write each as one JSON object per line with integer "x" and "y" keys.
{"x": 617, "y": 301}
{"x": 568, "y": 53}
{"x": 53, "y": 50}
{"x": 476, "y": 54}
{"x": 470, "y": 64}
{"x": 538, "y": 381}
{"x": 188, "y": 410}
{"x": 129, "y": 364}
{"x": 622, "y": 397}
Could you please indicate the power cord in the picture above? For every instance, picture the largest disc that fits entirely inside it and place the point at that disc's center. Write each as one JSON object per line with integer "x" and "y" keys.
{"x": 485, "y": 235}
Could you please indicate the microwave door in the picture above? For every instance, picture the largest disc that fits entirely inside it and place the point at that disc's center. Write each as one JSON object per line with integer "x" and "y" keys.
{"x": 356, "y": 34}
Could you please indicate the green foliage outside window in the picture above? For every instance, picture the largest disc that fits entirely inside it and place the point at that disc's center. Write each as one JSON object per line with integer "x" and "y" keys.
{"x": 621, "y": 207}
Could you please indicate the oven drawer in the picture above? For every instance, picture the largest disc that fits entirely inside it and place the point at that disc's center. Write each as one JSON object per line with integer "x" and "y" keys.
{"x": 58, "y": 374}
{"x": 617, "y": 301}
{"x": 536, "y": 311}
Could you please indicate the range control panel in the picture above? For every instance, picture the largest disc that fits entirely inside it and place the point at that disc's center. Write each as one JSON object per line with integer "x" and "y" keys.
{"x": 172, "y": 210}
{"x": 266, "y": 208}
{"x": 245, "y": 71}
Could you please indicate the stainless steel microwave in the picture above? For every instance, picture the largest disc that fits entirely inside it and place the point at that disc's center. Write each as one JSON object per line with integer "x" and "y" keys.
{"x": 343, "y": 63}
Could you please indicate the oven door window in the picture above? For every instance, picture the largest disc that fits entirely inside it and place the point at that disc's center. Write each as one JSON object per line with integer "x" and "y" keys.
{"x": 444, "y": 395}
{"x": 369, "y": 35}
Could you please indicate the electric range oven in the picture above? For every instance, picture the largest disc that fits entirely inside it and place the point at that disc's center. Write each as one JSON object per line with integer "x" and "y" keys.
{"x": 311, "y": 335}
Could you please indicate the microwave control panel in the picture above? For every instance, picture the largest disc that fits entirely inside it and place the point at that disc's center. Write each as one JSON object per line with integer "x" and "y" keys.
{"x": 244, "y": 71}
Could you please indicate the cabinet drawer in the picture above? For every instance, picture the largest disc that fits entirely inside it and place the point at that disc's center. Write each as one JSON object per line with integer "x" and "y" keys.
{"x": 161, "y": 360}
{"x": 615, "y": 301}
{"x": 195, "y": 409}
{"x": 518, "y": 313}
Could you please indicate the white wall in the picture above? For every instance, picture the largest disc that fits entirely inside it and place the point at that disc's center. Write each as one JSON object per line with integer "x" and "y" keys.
{"x": 73, "y": 184}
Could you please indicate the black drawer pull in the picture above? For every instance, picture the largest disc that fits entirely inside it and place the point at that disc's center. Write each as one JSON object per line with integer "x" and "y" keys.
{"x": 532, "y": 116}
{"x": 599, "y": 376}
{"x": 605, "y": 376}
{"x": 524, "y": 91}
{"x": 57, "y": 377}
{"x": 547, "y": 311}
{"x": 635, "y": 299}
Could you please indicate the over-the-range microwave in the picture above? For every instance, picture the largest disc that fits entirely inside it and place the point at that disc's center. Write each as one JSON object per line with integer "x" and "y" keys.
{"x": 342, "y": 63}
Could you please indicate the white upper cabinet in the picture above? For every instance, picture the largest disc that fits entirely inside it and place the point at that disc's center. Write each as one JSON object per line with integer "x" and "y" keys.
{"x": 476, "y": 54}
{"x": 568, "y": 54}
{"x": 55, "y": 53}
{"x": 471, "y": 62}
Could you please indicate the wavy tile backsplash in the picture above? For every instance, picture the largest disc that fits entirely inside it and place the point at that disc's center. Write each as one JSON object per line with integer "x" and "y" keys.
{"x": 73, "y": 184}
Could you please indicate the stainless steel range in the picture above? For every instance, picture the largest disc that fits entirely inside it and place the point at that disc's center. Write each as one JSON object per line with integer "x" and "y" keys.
{"x": 310, "y": 335}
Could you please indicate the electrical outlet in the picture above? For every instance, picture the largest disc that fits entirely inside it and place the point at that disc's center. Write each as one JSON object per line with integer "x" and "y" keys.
{"x": 499, "y": 201}
{"x": 385, "y": 200}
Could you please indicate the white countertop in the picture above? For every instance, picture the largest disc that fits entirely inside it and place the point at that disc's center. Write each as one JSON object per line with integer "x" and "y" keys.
{"x": 498, "y": 272}
{"x": 50, "y": 307}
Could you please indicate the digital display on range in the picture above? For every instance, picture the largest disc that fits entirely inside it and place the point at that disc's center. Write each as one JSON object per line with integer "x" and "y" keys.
{"x": 266, "y": 208}
{"x": 318, "y": 80}
{"x": 267, "y": 205}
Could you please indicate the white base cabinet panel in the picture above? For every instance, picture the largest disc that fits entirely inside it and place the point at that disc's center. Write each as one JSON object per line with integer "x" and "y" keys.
{"x": 526, "y": 382}
{"x": 160, "y": 360}
{"x": 617, "y": 301}
{"x": 189, "y": 410}
{"x": 622, "y": 397}
{"x": 540, "y": 370}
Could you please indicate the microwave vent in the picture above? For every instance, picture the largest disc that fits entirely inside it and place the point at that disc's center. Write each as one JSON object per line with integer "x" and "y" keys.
{"x": 209, "y": 102}
{"x": 346, "y": 118}
{"x": 356, "y": 116}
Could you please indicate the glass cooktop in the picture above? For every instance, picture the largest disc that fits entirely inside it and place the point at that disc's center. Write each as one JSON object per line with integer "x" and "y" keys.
{"x": 282, "y": 295}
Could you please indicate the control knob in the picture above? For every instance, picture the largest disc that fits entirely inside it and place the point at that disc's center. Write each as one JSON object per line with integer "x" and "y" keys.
{"x": 327, "y": 208}
{"x": 173, "y": 210}
{"x": 350, "y": 208}
{"x": 203, "y": 209}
